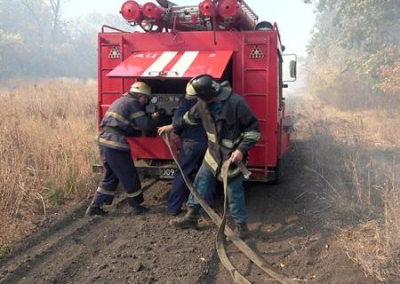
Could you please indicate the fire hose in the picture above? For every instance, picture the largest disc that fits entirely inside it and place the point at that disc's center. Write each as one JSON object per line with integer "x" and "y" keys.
{"x": 224, "y": 229}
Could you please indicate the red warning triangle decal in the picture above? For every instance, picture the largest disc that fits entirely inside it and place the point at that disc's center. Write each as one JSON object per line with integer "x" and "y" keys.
{"x": 114, "y": 53}
{"x": 256, "y": 52}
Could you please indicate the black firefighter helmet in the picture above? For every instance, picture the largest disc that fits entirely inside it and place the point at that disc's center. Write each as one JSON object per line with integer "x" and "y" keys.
{"x": 204, "y": 87}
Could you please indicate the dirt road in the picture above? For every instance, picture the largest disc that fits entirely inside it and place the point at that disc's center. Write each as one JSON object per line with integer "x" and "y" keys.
{"x": 294, "y": 228}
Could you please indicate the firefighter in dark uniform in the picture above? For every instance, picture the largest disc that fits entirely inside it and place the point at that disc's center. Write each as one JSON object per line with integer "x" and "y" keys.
{"x": 190, "y": 155}
{"x": 232, "y": 130}
{"x": 125, "y": 117}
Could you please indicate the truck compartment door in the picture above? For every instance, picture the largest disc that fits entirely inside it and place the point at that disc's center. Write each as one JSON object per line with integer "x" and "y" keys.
{"x": 172, "y": 64}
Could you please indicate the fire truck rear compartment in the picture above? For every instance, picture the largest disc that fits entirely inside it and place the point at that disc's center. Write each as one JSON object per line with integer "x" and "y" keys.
{"x": 166, "y": 94}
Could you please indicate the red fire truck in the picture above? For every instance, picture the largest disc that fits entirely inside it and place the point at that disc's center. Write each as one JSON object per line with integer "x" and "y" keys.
{"x": 222, "y": 38}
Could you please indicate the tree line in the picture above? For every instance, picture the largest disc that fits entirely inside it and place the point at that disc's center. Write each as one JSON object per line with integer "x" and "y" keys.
{"x": 354, "y": 53}
{"x": 37, "y": 40}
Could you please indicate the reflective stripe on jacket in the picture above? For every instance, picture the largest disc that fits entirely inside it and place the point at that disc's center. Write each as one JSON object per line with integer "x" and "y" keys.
{"x": 125, "y": 117}
{"x": 234, "y": 128}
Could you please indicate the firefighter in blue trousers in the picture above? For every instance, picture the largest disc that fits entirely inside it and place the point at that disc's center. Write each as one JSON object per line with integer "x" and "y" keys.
{"x": 232, "y": 130}
{"x": 190, "y": 155}
{"x": 125, "y": 117}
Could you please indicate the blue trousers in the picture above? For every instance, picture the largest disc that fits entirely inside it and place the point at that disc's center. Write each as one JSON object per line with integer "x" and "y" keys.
{"x": 118, "y": 167}
{"x": 205, "y": 183}
{"x": 190, "y": 157}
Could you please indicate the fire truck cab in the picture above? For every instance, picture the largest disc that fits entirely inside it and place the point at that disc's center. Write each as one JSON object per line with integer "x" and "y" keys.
{"x": 179, "y": 43}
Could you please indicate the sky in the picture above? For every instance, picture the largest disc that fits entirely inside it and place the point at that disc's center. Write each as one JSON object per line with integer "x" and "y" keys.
{"x": 294, "y": 18}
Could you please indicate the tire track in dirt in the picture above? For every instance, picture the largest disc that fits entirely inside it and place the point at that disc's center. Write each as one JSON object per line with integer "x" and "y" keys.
{"x": 77, "y": 256}
{"x": 40, "y": 245}
{"x": 56, "y": 242}
{"x": 50, "y": 248}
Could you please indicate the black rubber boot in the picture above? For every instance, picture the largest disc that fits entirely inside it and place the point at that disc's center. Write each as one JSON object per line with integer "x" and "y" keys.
{"x": 95, "y": 209}
{"x": 190, "y": 220}
{"x": 242, "y": 231}
{"x": 139, "y": 210}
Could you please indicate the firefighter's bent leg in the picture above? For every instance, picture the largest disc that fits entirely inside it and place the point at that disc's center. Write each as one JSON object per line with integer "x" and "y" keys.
{"x": 122, "y": 164}
{"x": 107, "y": 186}
{"x": 236, "y": 199}
{"x": 106, "y": 190}
{"x": 205, "y": 183}
{"x": 190, "y": 157}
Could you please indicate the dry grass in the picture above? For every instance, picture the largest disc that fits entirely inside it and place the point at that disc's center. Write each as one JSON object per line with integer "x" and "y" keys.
{"x": 46, "y": 150}
{"x": 354, "y": 153}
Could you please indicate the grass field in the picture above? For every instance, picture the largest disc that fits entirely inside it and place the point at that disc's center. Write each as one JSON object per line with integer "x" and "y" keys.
{"x": 47, "y": 147}
{"x": 356, "y": 155}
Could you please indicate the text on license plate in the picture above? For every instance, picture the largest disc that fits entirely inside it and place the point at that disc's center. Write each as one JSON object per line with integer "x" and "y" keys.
{"x": 167, "y": 172}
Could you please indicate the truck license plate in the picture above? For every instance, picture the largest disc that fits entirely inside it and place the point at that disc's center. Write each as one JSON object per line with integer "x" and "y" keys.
{"x": 167, "y": 173}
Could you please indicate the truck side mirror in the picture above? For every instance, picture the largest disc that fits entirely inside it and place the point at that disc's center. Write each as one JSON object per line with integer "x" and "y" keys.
{"x": 289, "y": 68}
{"x": 293, "y": 69}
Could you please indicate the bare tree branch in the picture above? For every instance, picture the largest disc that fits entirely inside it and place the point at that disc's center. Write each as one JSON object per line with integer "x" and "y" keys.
{"x": 55, "y": 7}
{"x": 31, "y": 9}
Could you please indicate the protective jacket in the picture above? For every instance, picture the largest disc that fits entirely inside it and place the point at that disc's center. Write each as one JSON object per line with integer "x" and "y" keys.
{"x": 195, "y": 132}
{"x": 124, "y": 118}
{"x": 233, "y": 126}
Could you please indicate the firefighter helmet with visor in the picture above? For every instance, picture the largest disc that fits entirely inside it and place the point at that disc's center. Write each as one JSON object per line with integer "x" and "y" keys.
{"x": 204, "y": 87}
{"x": 140, "y": 88}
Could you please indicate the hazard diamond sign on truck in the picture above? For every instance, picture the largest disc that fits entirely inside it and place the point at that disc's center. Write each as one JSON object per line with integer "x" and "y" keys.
{"x": 221, "y": 38}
